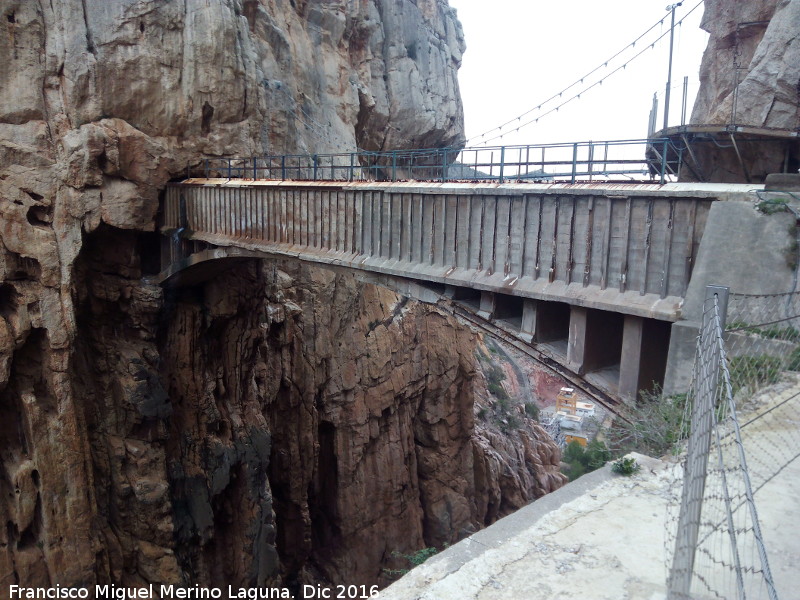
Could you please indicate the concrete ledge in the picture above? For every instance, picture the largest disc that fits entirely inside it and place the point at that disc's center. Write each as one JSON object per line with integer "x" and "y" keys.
{"x": 500, "y": 532}
{"x": 598, "y": 537}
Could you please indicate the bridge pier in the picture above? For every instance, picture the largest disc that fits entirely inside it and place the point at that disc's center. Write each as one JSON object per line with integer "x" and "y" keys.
{"x": 488, "y": 305}
{"x": 630, "y": 361}
{"x": 595, "y": 340}
{"x": 527, "y": 330}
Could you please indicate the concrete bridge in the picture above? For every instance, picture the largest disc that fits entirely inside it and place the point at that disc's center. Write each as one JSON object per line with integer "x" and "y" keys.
{"x": 593, "y": 274}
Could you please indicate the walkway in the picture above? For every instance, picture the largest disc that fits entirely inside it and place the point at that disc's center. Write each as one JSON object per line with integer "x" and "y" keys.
{"x": 603, "y": 536}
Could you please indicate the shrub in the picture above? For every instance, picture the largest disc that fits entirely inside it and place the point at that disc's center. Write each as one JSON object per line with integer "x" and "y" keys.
{"x": 532, "y": 410}
{"x": 753, "y": 371}
{"x": 654, "y": 426}
{"x": 772, "y": 206}
{"x": 585, "y": 460}
{"x": 625, "y": 466}
{"x": 498, "y": 391}
{"x": 414, "y": 560}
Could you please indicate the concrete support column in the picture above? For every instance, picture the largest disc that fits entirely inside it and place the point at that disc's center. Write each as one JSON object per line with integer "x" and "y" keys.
{"x": 528, "y": 329}
{"x": 680, "y": 361}
{"x": 631, "y": 358}
{"x": 488, "y": 305}
{"x": 576, "y": 342}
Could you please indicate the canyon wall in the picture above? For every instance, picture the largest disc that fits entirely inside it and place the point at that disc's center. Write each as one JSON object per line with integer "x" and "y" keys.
{"x": 278, "y": 424}
{"x": 750, "y": 75}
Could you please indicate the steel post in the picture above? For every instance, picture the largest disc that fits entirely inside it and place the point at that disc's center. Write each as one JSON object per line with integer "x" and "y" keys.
{"x": 707, "y": 364}
{"x": 672, "y": 8}
{"x": 574, "y": 162}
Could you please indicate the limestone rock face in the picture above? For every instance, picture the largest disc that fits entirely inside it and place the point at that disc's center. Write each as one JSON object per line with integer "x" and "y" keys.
{"x": 761, "y": 38}
{"x": 750, "y": 75}
{"x": 269, "y": 426}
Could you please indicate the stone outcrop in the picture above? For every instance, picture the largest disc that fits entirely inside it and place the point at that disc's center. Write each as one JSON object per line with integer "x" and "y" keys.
{"x": 750, "y": 75}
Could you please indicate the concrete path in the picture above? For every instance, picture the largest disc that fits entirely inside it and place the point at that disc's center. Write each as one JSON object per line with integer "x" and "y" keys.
{"x": 603, "y": 537}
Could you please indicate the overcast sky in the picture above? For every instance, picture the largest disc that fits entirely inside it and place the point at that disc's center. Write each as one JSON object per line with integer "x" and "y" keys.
{"x": 521, "y": 52}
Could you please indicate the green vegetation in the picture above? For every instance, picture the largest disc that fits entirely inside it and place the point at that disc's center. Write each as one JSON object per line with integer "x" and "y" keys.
{"x": 532, "y": 410}
{"x": 582, "y": 460}
{"x": 772, "y": 206}
{"x": 786, "y": 334}
{"x": 793, "y": 362}
{"x": 625, "y": 466}
{"x": 754, "y": 371}
{"x": 499, "y": 392}
{"x": 414, "y": 560}
{"x": 654, "y": 426}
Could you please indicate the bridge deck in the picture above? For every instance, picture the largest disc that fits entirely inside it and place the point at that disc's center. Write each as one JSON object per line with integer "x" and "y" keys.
{"x": 627, "y": 248}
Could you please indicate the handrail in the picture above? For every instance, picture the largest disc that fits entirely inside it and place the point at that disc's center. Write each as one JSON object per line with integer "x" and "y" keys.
{"x": 644, "y": 159}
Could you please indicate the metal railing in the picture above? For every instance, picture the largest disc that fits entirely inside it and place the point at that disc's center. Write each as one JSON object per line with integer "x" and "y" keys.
{"x": 633, "y": 160}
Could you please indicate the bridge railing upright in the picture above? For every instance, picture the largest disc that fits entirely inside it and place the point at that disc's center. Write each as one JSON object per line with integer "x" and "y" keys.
{"x": 637, "y": 160}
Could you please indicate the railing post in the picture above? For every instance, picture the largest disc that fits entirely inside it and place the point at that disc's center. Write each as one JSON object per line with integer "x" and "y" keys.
{"x": 255, "y": 168}
{"x": 314, "y": 159}
{"x": 502, "y": 161}
{"x": 394, "y": 165}
{"x": 205, "y": 167}
{"x": 683, "y": 103}
{"x": 664, "y": 161}
{"x": 707, "y": 364}
{"x": 444, "y": 164}
{"x": 574, "y": 161}
{"x": 229, "y": 168}
{"x": 283, "y": 166}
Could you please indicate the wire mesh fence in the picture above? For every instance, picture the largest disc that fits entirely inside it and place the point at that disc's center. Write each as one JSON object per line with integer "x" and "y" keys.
{"x": 744, "y": 433}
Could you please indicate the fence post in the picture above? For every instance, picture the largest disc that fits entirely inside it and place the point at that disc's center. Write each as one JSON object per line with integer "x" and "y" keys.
{"x": 394, "y": 165}
{"x": 314, "y": 158}
{"x": 283, "y": 166}
{"x": 255, "y": 168}
{"x": 502, "y": 161}
{"x": 707, "y": 365}
{"x": 351, "y": 166}
{"x": 229, "y": 168}
{"x": 574, "y": 161}
{"x": 664, "y": 161}
{"x": 444, "y": 164}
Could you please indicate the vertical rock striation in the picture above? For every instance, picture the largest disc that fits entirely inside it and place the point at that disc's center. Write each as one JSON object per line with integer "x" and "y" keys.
{"x": 750, "y": 75}
{"x": 260, "y": 428}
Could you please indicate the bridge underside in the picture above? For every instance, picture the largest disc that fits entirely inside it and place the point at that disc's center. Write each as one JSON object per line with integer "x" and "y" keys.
{"x": 609, "y": 355}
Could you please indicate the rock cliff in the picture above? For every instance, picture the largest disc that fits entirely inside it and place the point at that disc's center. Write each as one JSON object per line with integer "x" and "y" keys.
{"x": 750, "y": 75}
{"x": 278, "y": 423}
